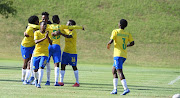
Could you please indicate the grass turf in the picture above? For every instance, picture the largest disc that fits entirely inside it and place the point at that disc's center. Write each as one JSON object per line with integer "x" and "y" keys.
{"x": 95, "y": 81}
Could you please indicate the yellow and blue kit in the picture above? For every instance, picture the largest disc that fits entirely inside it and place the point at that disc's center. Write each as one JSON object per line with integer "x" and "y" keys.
{"x": 55, "y": 49}
{"x": 28, "y": 44}
{"x": 121, "y": 39}
{"x": 41, "y": 50}
{"x": 70, "y": 52}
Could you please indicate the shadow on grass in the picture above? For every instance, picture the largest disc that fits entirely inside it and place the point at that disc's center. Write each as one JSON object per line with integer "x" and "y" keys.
{"x": 104, "y": 87}
{"x": 19, "y": 68}
{"x": 10, "y": 80}
{"x": 12, "y": 68}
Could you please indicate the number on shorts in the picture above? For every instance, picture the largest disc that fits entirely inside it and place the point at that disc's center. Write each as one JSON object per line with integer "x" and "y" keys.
{"x": 73, "y": 59}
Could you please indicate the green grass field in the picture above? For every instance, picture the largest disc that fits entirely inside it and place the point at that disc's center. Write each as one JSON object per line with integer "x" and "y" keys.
{"x": 152, "y": 63}
{"x": 95, "y": 81}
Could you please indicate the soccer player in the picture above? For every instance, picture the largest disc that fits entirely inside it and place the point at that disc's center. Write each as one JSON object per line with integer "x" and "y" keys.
{"x": 120, "y": 39}
{"x": 55, "y": 49}
{"x": 27, "y": 47}
{"x": 70, "y": 55}
{"x": 40, "y": 55}
{"x": 45, "y": 17}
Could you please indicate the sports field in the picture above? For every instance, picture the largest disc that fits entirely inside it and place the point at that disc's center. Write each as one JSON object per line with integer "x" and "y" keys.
{"x": 95, "y": 81}
{"x": 152, "y": 68}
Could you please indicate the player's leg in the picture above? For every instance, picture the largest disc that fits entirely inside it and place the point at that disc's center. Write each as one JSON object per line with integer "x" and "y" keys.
{"x": 56, "y": 72}
{"x": 35, "y": 64}
{"x": 48, "y": 68}
{"x": 76, "y": 74}
{"x": 25, "y": 51}
{"x": 115, "y": 77}
{"x": 24, "y": 69}
{"x": 27, "y": 73}
{"x": 31, "y": 67}
{"x": 121, "y": 75}
{"x": 63, "y": 66}
{"x": 73, "y": 62}
{"x": 48, "y": 71}
{"x": 57, "y": 59}
{"x": 43, "y": 62}
{"x": 32, "y": 72}
{"x": 62, "y": 73}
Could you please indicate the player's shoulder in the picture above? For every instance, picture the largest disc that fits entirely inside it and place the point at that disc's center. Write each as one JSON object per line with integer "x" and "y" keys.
{"x": 37, "y": 31}
{"x": 115, "y": 31}
{"x": 66, "y": 30}
{"x": 29, "y": 28}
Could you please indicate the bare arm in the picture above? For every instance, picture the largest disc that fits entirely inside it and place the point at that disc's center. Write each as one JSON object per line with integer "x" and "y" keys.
{"x": 26, "y": 35}
{"x": 109, "y": 43}
{"x": 59, "y": 33}
{"x": 131, "y": 44}
{"x": 38, "y": 41}
{"x": 50, "y": 41}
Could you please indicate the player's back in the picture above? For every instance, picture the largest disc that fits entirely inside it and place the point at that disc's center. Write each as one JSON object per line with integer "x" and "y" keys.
{"x": 28, "y": 41}
{"x": 121, "y": 39}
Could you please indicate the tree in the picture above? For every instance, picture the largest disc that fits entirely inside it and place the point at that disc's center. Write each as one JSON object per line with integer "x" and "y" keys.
{"x": 6, "y": 8}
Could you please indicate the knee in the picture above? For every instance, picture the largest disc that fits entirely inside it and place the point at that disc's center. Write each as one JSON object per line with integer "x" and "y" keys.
{"x": 63, "y": 67}
{"x": 35, "y": 70}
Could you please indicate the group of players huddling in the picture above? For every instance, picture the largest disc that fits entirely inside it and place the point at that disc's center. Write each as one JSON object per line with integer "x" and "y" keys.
{"x": 42, "y": 40}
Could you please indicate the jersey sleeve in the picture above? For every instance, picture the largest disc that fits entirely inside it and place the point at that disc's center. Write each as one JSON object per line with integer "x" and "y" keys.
{"x": 35, "y": 36}
{"x": 71, "y": 32}
{"x": 49, "y": 27}
{"x": 113, "y": 34}
{"x": 70, "y": 27}
{"x": 50, "y": 32}
{"x": 75, "y": 27}
{"x": 130, "y": 39}
{"x": 34, "y": 26}
{"x": 28, "y": 30}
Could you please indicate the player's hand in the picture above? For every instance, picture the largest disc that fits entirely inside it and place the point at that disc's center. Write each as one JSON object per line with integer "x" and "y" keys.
{"x": 53, "y": 34}
{"x": 26, "y": 35}
{"x": 108, "y": 46}
{"x": 83, "y": 29}
{"x": 47, "y": 33}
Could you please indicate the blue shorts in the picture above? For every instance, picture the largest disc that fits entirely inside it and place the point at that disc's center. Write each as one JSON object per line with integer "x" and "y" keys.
{"x": 70, "y": 59}
{"x": 118, "y": 62}
{"x": 55, "y": 52}
{"x": 39, "y": 61}
{"x": 26, "y": 51}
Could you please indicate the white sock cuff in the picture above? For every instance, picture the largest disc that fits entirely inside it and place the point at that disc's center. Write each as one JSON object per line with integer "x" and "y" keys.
{"x": 123, "y": 80}
{"x": 115, "y": 79}
{"x": 23, "y": 69}
{"x": 56, "y": 68}
{"x": 76, "y": 71}
{"x": 62, "y": 71}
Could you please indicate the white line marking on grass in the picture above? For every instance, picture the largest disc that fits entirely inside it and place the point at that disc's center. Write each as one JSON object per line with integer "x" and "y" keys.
{"x": 173, "y": 81}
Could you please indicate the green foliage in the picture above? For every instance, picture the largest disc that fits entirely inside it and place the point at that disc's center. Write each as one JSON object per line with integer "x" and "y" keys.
{"x": 6, "y": 8}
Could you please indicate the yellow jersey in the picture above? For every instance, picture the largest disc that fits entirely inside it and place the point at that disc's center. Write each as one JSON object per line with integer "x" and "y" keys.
{"x": 29, "y": 41}
{"x": 41, "y": 49}
{"x": 56, "y": 27}
{"x": 121, "y": 39}
{"x": 70, "y": 43}
{"x": 53, "y": 28}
